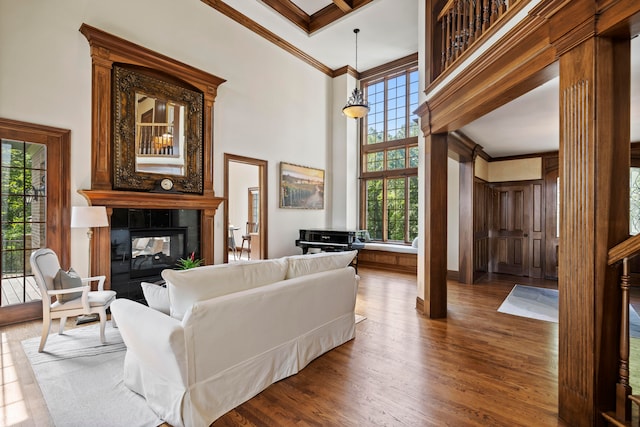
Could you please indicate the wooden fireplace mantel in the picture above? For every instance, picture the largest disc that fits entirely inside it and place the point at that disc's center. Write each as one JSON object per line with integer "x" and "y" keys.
{"x": 206, "y": 204}
{"x": 150, "y": 200}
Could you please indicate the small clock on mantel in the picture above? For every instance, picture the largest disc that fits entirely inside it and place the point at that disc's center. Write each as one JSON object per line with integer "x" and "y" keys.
{"x": 166, "y": 184}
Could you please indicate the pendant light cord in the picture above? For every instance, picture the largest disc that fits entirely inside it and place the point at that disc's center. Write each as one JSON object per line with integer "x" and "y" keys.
{"x": 356, "y": 31}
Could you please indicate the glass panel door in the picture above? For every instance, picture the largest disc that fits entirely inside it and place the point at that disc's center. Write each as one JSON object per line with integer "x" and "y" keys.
{"x": 22, "y": 217}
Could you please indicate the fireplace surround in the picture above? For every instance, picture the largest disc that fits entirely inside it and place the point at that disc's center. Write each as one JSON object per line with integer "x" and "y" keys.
{"x": 146, "y": 241}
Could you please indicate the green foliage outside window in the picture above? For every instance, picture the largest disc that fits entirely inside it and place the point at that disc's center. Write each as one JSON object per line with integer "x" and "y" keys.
{"x": 14, "y": 209}
{"x": 374, "y": 208}
{"x": 413, "y": 157}
{"x": 395, "y": 209}
{"x": 396, "y": 159}
{"x": 21, "y": 204}
{"x": 413, "y": 207}
{"x": 375, "y": 161}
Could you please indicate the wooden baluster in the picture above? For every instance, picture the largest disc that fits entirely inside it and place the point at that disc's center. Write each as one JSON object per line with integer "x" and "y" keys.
{"x": 623, "y": 388}
{"x": 471, "y": 18}
{"x": 478, "y": 18}
{"x": 460, "y": 12}
{"x": 449, "y": 36}
{"x": 145, "y": 141}
{"x": 464, "y": 26}
{"x": 443, "y": 44}
{"x": 459, "y": 28}
{"x": 454, "y": 32}
{"x": 485, "y": 14}
{"x": 494, "y": 12}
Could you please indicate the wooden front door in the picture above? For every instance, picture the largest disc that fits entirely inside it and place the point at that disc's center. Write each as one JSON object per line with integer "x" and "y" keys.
{"x": 509, "y": 236}
{"x": 517, "y": 232}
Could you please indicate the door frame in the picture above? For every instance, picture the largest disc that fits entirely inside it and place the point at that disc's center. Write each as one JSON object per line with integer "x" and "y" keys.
{"x": 263, "y": 177}
{"x": 58, "y": 193}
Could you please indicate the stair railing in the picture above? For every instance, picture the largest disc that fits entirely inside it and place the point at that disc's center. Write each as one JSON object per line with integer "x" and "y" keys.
{"x": 623, "y": 252}
{"x": 462, "y": 22}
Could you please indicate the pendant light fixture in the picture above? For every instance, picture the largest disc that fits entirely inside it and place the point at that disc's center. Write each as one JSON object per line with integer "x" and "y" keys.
{"x": 357, "y": 106}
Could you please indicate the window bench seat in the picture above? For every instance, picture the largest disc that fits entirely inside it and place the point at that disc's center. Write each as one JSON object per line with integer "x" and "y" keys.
{"x": 389, "y": 256}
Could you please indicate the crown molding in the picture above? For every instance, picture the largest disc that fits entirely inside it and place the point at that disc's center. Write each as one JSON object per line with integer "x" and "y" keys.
{"x": 252, "y": 25}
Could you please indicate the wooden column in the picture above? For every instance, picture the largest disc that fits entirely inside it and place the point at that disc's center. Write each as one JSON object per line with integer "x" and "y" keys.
{"x": 465, "y": 249}
{"x": 594, "y": 214}
{"x": 435, "y": 226}
{"x": 101, "y": 119}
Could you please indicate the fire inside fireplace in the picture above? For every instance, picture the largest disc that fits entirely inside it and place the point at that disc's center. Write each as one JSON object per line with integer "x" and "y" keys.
{"x": 155, "y": 250}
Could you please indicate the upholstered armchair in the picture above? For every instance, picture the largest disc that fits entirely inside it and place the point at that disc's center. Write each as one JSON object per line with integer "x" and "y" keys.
{"x": 70, "y": 302}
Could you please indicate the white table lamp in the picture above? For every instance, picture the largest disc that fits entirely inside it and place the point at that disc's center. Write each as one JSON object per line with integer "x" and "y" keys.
{"x": 89, "y": 217}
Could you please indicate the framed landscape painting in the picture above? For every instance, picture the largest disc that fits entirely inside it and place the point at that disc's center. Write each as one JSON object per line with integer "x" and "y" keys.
{"x": 301, "y": 187}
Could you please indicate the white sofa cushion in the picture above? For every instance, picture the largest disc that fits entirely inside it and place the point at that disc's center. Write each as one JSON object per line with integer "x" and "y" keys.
{"x": 301, "y": 265}
{"x": 198, "y": 284}
{"x": 157, "y": 296}
{"x": 389, "y": 247}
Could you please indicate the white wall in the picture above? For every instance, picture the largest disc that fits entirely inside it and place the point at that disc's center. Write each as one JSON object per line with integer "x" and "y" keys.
{"x": 344, "y": 157}
{"x": 273, "y": 106}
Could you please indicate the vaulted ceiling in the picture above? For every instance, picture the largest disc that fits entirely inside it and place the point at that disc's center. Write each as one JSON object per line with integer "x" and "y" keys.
{"x": 320, "y": 32}
{"x": 312, "y": 15}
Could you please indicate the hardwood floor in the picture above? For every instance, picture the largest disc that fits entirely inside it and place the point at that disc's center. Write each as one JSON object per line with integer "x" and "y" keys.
{"x": 478, "y": 367}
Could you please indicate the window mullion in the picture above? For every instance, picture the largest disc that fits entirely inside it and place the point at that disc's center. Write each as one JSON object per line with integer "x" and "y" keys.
{"x": 386, "y": 109}
{"x": 406, "y": 208}
{"x": 407, "y": 105}
{"x": 385, "y": 215}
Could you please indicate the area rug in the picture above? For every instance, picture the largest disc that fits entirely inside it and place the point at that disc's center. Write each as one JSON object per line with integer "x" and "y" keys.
{"x": 81, "y": 379}
{"x": 532, "y": 302}
{"x": 542, "y": 304}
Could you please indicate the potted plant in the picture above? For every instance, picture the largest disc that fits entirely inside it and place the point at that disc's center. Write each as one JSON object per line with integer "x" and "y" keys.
{"x": 189, "y": 262}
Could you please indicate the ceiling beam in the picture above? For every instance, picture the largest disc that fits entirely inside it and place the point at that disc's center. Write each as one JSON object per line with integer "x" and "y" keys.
{"x": 333, "y": 12}
{"x": 290, "y": 11}
{"x": 343, "y": 5}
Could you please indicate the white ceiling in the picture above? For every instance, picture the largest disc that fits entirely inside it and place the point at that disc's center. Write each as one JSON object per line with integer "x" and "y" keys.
{"x": 531, "y": 123}
{"x": 389, "y": 30}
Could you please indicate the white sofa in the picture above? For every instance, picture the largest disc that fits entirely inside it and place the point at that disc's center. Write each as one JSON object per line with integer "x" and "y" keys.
{"x": 233, "y": 330}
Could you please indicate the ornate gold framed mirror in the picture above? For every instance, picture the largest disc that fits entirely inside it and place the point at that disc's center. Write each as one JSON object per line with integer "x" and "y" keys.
{"x": 157, "y": 132}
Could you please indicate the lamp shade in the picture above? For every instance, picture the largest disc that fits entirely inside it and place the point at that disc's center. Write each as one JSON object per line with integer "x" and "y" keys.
{"x": 89, "y": 216}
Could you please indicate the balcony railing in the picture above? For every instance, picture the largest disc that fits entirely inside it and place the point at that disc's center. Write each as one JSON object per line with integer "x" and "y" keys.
{"x": 463, "y": 22}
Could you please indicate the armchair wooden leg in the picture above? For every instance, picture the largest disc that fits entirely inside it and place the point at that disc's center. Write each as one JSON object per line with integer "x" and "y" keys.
{"x": 103, "y": 320}
{"x": 46, "y": 327}
{"x": 63, "y": 322}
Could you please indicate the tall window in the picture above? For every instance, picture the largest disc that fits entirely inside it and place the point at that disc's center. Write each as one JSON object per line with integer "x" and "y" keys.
{"x": 389, "y": 155}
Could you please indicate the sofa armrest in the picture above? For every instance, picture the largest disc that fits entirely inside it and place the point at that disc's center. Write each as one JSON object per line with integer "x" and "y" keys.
{"x": 156, "y": 339}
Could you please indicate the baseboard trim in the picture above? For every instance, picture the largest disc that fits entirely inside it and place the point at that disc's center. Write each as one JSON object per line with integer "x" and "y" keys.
{"x": 420, "y": 304}
{"x": 453, "y": 275}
